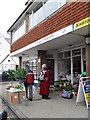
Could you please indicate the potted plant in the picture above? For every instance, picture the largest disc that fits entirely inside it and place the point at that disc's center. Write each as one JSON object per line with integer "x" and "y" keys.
{"x": 11, "y": 75}
{"x": 20, "y": 74}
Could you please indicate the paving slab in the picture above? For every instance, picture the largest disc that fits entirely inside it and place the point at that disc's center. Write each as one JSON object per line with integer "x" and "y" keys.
{"x": 56, "y": 107}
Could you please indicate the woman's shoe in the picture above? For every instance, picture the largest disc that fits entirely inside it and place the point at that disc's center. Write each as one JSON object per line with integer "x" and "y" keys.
{"x": 47, "y": 97}
{"x": 43, "y": 96}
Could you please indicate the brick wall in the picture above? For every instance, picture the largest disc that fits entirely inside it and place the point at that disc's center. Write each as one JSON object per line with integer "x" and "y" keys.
{"x": 27, "y": 22}
{"x": 66, "y": 16}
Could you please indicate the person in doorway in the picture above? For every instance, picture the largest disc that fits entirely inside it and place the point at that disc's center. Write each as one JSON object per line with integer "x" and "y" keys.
{"x": 29, "y": 83}
{"x": 45, "y": 84}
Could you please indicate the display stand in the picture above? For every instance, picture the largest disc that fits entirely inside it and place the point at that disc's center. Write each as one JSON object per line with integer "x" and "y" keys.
{"x": 84, "y": 91}
{"x": 14, "y": 96}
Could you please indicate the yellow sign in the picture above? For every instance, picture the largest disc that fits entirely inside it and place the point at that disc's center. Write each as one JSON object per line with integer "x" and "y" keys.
{"x": 88, "y": 98}
{"x": 82, "y": 23}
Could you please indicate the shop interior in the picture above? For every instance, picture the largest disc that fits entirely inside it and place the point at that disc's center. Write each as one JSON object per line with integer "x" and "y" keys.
{"x": 64, "y": 65}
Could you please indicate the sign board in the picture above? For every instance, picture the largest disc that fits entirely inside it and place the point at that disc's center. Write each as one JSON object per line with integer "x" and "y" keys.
{"x": 82, "y": 23}
{"x": 80, "y": 95}
{"x": 86, "y": 88}
{"x": 84, "y": 92}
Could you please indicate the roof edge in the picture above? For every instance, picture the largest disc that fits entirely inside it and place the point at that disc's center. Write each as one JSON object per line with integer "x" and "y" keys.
{"x": 19, "y": 17}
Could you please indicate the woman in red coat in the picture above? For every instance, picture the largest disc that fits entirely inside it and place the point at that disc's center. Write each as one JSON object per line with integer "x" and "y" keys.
{"x": 44, "y": 85}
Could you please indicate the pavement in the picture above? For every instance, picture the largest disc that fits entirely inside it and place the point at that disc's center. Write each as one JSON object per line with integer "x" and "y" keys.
{"x": 56, "y": 107}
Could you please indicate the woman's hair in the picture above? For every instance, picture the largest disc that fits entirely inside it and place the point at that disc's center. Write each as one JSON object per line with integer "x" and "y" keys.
{"x": 44, "y": 66}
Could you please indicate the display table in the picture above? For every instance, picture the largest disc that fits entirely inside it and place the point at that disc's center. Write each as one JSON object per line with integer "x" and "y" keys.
{"x": 14, "y": 96}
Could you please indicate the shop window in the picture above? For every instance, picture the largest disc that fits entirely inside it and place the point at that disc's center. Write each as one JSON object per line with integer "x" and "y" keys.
{"x": 84, "y": 54}
{"x": 76, "y": 52}
{"x": 67, "y": 54}
{"x": 77, "y": 65}
{"x": 84, "y": 59}
{"x": 33, "y": 66}
{"x": 60, "y": 55}
{"x": 49, "y": 56}
{"x": 83, "y": 51}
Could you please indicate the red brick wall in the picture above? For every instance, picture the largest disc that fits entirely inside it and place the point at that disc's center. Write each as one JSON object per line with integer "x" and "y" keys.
{"x": 66, "y": 16}
{"x": 27, "y": 22}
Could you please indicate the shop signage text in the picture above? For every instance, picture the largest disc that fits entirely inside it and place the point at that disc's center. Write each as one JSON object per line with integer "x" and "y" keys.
{"x": 82, "y": 23}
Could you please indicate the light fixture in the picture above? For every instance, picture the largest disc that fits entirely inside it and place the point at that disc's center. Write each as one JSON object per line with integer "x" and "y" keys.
{"x": 23, "y": 54}
{"x": 70, "y": 45}
{"x": 87, "y": 40}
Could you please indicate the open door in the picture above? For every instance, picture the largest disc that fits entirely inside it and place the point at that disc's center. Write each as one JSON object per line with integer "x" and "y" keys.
{"x": 50, "y": 66}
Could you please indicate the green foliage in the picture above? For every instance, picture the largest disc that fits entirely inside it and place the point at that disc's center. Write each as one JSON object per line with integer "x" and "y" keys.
{"x": 20, "y": 74}
{"x": 11, "y": 73}
{"x": 67, "y": 86}
{"x": 61, "y": 82}
{"x": 56, "y": 83}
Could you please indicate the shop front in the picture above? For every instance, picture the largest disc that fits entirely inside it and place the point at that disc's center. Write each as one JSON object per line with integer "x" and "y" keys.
{"x": 67, "y": 48}
{"x": 71, "y": 63}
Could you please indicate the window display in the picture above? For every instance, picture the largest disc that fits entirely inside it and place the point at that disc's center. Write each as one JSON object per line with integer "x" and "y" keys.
{"x": 78, "y": 64}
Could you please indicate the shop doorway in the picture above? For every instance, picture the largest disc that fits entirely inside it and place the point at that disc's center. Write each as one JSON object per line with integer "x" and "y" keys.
{"x": 77, "y": 65}
{"x": 50, "y": 66}
{"x": 76, "y": 69}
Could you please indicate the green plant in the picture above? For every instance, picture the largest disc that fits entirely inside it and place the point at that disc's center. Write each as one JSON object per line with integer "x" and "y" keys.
{"x": 20, "y": 74}
{"x": 11, "y": 75}
{"x": 67, "y": 86}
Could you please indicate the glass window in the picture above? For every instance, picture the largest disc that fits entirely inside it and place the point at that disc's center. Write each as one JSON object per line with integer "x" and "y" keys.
{"x": 38, "y": 16}
{"x": 49, "y": 56}
{"x": 60, "y": 55}
{"x": 67, "y": 54}
{"x": 20, "y": 30}
{"x": 30, "y": 21}
{"x": 33, "y": 66}
{"x": 38, "y": 7}
{"x": 84, "y": 51}
{"x": 42, "y": 11}
{"x": 49, "y": 7}
{"x": 76, "y": 52}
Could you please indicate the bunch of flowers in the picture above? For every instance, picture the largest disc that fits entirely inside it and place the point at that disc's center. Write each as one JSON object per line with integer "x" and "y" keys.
{"x": 67, "y": 86}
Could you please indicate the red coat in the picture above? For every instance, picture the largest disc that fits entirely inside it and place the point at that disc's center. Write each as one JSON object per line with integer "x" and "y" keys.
{"x": 44, "y": 86}
{"x": 30, "y": 78}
